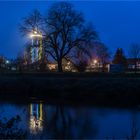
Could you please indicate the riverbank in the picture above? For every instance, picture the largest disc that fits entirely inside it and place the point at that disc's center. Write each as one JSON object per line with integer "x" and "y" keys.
{"x": 72, "y": 88}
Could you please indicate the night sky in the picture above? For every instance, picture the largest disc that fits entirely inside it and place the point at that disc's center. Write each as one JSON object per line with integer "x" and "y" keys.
{"x": 117, "y": 22}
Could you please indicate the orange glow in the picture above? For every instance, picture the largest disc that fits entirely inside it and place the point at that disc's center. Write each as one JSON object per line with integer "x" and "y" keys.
{"x": 95, "y": 61}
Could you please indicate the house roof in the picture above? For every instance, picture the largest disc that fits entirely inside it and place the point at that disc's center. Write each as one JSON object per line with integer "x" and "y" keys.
{"x": 132, "y": 60}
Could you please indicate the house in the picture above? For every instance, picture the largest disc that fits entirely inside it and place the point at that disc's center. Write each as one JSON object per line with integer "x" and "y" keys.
{"x": 67, "y": 66}
{"x": 131, "y": 62}
{"x": 4, "y": 63}
{"x": 52, "y": 66}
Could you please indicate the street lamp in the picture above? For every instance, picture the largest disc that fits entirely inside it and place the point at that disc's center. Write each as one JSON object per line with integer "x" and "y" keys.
{"x": 95, "y": 61}
{"x": 35, "y": 34}
{"x": 7, "y": 61}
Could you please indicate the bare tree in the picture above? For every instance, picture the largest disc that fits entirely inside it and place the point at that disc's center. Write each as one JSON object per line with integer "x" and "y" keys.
{"x": 65, "y": 30}
{"x": 102, "y": 54}
{"x": 135, "y": 53}
{"x": 19, "y": 61}
{"x": 27, "y": 53}
{"x": 119, "y": 57}
{"x": 33, "y": 22}
{"x": 80, "y": 59}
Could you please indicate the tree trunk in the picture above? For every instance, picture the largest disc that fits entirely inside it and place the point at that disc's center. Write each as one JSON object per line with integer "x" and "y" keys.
{"x": 60, "y": 69}
{"x": 103, "y": 67}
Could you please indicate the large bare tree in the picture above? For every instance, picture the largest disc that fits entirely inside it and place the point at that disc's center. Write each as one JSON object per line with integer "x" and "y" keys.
{"x": 65, "y": 30}
{"x": 102, "y": 54}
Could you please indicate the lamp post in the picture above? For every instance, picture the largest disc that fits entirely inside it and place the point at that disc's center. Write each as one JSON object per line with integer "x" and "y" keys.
{"x": 96, "y": 64}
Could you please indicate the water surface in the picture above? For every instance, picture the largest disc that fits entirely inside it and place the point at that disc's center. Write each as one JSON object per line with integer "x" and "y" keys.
{"x": 41, "y": 120}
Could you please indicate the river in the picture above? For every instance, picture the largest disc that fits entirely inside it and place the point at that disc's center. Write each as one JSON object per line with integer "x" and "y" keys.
{"x": 41, "y": 120}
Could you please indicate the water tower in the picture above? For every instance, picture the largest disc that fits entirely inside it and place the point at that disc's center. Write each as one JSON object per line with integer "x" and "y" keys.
{"x": 36, "y": 50}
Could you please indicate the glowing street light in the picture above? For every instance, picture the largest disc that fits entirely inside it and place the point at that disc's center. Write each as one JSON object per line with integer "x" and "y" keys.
{"x": 35, "y": 34}
{"x": 7, "y": 61}
{"x": 95, "y": 61}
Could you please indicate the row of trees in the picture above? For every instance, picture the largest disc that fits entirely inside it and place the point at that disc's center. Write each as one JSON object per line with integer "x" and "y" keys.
{"x": 66, "y": 35}
{"x": 82, "y": 59}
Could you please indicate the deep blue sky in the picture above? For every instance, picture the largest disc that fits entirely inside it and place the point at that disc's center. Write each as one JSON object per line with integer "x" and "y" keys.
{"x": 117, "y": 22}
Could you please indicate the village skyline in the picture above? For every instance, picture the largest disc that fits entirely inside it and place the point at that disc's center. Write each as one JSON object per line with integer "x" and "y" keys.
{"x": 102, "y": 14}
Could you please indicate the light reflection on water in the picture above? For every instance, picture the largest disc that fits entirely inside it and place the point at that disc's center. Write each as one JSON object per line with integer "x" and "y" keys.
{"x": 36, "y": 119}
{"x": 56, "y": 121}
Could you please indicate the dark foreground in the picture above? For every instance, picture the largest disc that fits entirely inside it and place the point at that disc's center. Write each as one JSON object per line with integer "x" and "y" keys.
{"x": 72, "y": 88}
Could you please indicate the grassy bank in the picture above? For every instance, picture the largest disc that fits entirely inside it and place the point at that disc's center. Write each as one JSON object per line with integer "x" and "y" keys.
{"x": 75, "y": 88}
